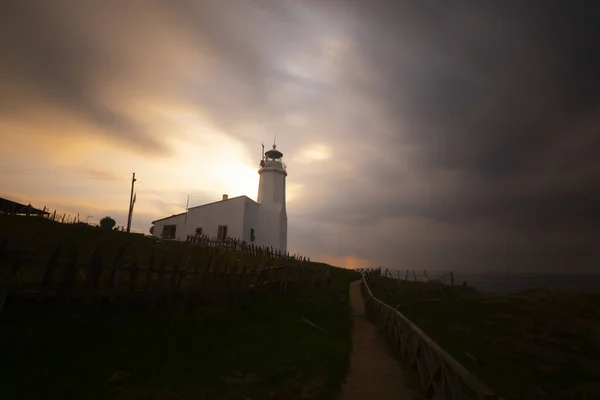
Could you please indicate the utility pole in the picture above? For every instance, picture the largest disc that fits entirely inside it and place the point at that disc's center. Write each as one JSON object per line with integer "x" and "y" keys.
{"x": 131, "y": 201}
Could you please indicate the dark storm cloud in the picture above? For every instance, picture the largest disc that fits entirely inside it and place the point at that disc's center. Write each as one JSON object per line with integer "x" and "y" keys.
{"x": 492, "y": 83}
{"x": 463, "y": 133}
{"x": 502, "y": 94}
{"x": 47, "y": 57}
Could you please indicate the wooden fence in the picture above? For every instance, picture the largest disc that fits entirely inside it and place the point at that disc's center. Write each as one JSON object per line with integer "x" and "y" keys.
{"x": 236, "y": 245}
{"x": 210, "y": 278}
{"x": 441, "y": 376}
{"x": 410, "y": 282}
{"x": 369, "y": 272}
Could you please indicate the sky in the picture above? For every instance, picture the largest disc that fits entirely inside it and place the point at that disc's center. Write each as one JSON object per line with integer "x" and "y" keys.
{"x": 459, "y": 135}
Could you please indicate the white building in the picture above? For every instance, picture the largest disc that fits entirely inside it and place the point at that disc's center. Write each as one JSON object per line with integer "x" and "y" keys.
{"x": 262, "y": 222}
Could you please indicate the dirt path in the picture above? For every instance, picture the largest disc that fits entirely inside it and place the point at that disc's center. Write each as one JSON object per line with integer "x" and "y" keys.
{"x": 374, "y": 374}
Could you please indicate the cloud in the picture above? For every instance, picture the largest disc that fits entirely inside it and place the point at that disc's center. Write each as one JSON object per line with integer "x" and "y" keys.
{"x": 461, "y": 136}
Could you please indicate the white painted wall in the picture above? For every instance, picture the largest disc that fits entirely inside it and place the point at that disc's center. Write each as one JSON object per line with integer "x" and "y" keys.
{"x": 251, "y": 219}
{"x": 208, "y": 217}
{"x": 271, "y": 186}
{"x": 273, "y": 228}
{"x": 272, "y": 199}
{"x": 175, "y": 220}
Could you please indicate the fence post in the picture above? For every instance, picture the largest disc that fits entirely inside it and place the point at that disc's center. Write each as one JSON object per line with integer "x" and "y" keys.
{"x": 222, "y": 275}
{"x": 242, "y": 282}
{"x": 299, "y": 270}
{"x": 115, "y": 274}
{"x": 213, "y": 278}
{"x": 184, "y": 272}
{"x": 282, "y": 277}
{"x": 49, "y": 271}
{"x": 160, "y": 281}
{"x": 133, "y": 276}
{"x": 262, "y": 277}
{"x": 173, "y": 282}
{"x": 201, "y": 295}
{"x": 69, "y": 276}
{"x": 93, "y": 278}
{"x": 195, "y": 273}
{"x": 7, "y": 282}
{"x": 231, "y": 281}
{"x": 148, "y": 284}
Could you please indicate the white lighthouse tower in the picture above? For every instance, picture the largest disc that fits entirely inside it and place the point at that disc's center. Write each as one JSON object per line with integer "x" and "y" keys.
{"x": 271, "y": 197}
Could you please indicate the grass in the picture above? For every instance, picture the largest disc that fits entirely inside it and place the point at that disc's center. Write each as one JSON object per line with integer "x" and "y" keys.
{"x": 42, "y": 236}
{"x": 536, "y": 345}
{"x": 259, "y": 350}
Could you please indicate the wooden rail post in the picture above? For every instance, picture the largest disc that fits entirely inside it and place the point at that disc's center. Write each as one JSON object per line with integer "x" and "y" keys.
{"x": 92, "y": 280}
{"x": 68, "y": 279}
{"x": 50, "y": 267}
{"x": 213, "y": 279}
{"x": 201, "y": 295}
{"x": 149, "y": 271}
{"x": 115, "y": 276}
{"x": 240, "y": 287}
{"x": 221, "y": 281}
{"x": 133, "y": 278}
{"x": 6, "y": 282}
{"x": 160, "y": 282}
{"x": 173, "y": 282}
{"x": 184, "y": 282}
{"x": 229, "y": 290}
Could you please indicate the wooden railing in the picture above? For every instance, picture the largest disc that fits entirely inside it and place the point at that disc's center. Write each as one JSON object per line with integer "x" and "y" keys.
{"x": 441, "y": 376}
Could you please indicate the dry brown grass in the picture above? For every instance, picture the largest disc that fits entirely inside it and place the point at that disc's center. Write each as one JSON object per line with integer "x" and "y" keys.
{"x": 534, "y": 345}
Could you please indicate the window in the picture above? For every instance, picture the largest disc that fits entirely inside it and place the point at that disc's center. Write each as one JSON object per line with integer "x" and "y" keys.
{"x": 198, "y": 232}
{"x": 222, "y": 233}
{"x": 252, "y": 236}
{"x": 169, "y": 231}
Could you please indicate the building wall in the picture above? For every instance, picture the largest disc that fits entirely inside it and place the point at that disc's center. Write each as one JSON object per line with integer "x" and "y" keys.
{"x": 209, "y": 217}
{"x": 176, "y": 220}
{"x": 272, "y": 227}
{"x": 273, "y": 213}
{"x": 271, "y": 186}
{"x": 251, "y": 221}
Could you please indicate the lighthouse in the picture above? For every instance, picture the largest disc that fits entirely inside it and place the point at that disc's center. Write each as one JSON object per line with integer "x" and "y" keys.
{"x": 271, "y": 197}
{"x": 262, "y": 222}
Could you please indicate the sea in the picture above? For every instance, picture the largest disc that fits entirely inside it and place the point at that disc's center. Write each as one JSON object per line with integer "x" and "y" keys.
{"x": 510, "y": 282}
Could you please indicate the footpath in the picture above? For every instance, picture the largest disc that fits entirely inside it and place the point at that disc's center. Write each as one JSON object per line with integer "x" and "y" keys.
{"x": 374, "y": 374}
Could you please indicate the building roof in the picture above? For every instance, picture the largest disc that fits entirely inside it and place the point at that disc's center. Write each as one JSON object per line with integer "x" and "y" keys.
{"x": 207, "y": 204}
{"x": 12, "y": 207}
{"x": 274, "y": 153}
{"x": 172, "y": 216}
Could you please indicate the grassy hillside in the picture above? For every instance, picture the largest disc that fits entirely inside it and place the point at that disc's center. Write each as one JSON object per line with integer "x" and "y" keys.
{"x": 533, "y": 345}
{"x": 265, "y": 349}
{"x": 43, "y": 235}
{"x": 292, "y": 346}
